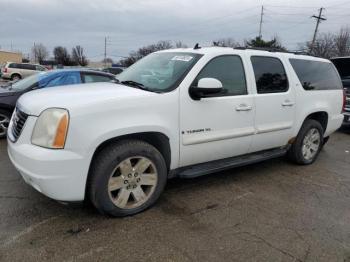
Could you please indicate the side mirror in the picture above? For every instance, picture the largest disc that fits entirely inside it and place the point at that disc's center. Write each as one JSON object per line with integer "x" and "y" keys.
{"x": 205, "y": 88}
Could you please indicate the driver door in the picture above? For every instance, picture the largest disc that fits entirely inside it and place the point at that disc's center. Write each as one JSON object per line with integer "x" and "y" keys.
{"x": 222, "y": 125}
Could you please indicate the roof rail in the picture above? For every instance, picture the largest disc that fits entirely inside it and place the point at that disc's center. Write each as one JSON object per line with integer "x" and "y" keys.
{"x": 271, "y": 49}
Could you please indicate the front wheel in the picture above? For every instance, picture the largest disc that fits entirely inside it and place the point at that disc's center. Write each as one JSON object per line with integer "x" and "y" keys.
{"x": 4, "y": 123}
{"x": 308, "y": 143}
{"x": 126, "y": 178}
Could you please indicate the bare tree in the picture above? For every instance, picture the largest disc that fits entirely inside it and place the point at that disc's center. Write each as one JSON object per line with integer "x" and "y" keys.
{"x": 342, "y": 42}
{"x": 324, "y": 46}
{"x": 78, "y": 56}
{"x": 226, "y": 42}
{"x": 143, "y": 51}
{"x": 179, "y": 44}
{"x": 39, "y": 53}
{"x": 61, "y": 55}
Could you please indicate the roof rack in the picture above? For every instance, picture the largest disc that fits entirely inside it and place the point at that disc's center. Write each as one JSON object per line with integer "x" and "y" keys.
{"x": 271, "y": 49}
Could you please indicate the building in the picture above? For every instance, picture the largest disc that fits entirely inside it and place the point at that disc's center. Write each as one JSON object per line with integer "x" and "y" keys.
{"x": 7, "y": 56}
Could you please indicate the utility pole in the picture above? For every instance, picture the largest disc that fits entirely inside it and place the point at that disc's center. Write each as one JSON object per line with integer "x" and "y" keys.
{"x": 105, "y": 62}
{"x": 319, "y": 18}
{"x": 261, "y": 20}
{"x": 34, "y": 49}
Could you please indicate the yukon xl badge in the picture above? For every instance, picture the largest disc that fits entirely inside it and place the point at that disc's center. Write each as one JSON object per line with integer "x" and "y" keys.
{"x": 194, "y": 131}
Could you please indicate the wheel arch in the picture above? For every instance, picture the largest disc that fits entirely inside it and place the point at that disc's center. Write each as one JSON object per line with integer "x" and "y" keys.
{"x": 319, "y": 116}
{"x": 159, "y": 140}
{"x": 16, "y": 73}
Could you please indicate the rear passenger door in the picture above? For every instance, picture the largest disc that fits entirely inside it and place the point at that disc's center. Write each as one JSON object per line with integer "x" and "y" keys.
{"x": 274, "y": 103}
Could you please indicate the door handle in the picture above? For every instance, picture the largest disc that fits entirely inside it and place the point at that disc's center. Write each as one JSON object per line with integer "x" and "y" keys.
{"x": 288, "y": 103}
{"x": 243, "y": 107}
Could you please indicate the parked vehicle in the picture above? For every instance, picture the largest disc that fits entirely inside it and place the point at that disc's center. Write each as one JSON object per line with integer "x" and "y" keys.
{"x": 343, "y": 66}
{"x": 9, "y": 94}
{"x": 200, "y": 111}
{"x": 17, "y": 71}
{"x": 113, "y": 70}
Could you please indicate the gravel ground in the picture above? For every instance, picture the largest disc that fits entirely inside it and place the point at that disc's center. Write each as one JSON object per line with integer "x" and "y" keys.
{"x": 271, "y": 211}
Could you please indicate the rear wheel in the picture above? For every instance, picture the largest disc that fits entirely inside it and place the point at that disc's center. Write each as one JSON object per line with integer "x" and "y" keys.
{"x": 5, "y": 117}
{"x": 308, "y": 144}
{"x": 126, "y": 178}
{"x": 16, "y": 77}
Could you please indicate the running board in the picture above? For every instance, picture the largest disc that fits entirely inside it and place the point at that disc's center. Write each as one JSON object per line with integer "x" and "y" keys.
{"x": 227, "y": 163}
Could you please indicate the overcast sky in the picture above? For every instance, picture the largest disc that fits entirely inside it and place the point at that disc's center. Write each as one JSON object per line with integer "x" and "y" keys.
{"x": 130, "y": 24}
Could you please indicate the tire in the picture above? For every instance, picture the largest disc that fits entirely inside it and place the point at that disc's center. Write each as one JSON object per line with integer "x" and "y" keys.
{"x": 120, "y": 172}
{"x": 325, "y": 140}
{"x": 303, "y": 151}
{"x": 16, "y": 77}
{"x": 5, "y": 117}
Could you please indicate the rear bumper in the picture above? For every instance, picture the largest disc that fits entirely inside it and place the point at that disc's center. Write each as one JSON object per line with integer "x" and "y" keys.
{"x": 346, "y": 121}
{"x": 6, "y": 76}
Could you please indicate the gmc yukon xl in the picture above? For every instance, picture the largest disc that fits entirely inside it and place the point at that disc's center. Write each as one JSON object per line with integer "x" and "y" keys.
{"x": 181, "y": 112}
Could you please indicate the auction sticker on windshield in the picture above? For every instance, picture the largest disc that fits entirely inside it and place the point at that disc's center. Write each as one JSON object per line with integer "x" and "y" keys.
{"x": 185, "y": 58}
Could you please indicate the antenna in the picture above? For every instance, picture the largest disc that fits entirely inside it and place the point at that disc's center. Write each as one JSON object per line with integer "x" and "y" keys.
{"x": 196, "y": 47}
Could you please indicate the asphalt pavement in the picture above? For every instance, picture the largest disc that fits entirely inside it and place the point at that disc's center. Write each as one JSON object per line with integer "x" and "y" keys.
{"x": 271, "y": 211}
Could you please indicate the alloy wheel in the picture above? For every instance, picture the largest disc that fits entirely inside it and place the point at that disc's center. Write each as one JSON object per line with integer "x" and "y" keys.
{"x": 311, "y": 144}
{"x": 132, "y": 182}
{"x": 4, "y": 124}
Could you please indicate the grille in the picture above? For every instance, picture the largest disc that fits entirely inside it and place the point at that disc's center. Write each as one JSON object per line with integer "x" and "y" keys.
{"x": 18, "y": 121}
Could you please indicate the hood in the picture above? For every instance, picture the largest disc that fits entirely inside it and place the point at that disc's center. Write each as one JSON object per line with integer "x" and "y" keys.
{"x": 73, "y": 97}
{"x": 7, "y": 92}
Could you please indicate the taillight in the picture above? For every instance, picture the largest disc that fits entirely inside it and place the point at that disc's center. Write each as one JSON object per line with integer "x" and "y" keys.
{"x": 344, "y": 100}
{"x": 5, "y": 69}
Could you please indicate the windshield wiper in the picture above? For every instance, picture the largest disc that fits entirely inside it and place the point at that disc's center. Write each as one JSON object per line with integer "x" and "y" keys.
{"x": 135, "y": 84}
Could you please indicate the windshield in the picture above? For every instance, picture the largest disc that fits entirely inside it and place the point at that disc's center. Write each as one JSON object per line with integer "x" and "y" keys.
{"x": 26, "y": 82}
{"x": 160, "y": 72}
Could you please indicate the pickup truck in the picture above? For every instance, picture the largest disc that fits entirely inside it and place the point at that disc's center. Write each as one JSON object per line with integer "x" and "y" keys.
{"x": 343, "y": 66}
{"x": 175, "y": 113}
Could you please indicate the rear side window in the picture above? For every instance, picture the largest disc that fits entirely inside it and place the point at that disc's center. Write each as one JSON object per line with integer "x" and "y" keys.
{"x": 270, "y": 76}
{"x": 13, "y": 65}
{"x": 229, "y": 71}
{"x": 26, "y": 66}
{"x": 93, "y": 78}
{"x": 316, "y": 75}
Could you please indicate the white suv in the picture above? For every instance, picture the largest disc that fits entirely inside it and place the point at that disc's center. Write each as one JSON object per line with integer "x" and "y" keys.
{"x": 184, "y": 113}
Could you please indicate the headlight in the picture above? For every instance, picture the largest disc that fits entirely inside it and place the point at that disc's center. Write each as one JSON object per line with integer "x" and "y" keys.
{"x": 51, "y": 128}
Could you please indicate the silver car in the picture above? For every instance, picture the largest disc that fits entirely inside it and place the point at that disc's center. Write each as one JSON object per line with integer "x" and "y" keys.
{"x": 17, "y": 71}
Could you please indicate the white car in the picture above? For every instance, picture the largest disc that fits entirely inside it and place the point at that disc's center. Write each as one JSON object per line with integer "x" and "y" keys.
{"x": 212, "y": 109}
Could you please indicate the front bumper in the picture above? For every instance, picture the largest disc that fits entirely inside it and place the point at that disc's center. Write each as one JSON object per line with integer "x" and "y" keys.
{"x": 58, "y": 174}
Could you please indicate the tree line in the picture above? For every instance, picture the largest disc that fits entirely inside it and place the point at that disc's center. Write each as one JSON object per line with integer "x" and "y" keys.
{"x": 327, "y": 45}
{"x": 61, "y": 55}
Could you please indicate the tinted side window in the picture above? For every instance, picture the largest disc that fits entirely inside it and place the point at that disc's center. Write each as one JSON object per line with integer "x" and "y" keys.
{"x": 13, "y": 65}
{"x": 316, "y": 75}
{"x": 92, "y": 78}
{"x": 39, "y": 68}
{"x": 229, "y": 70}
{"x": 270, "y": 75}
{"x": 26, "y": 66}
